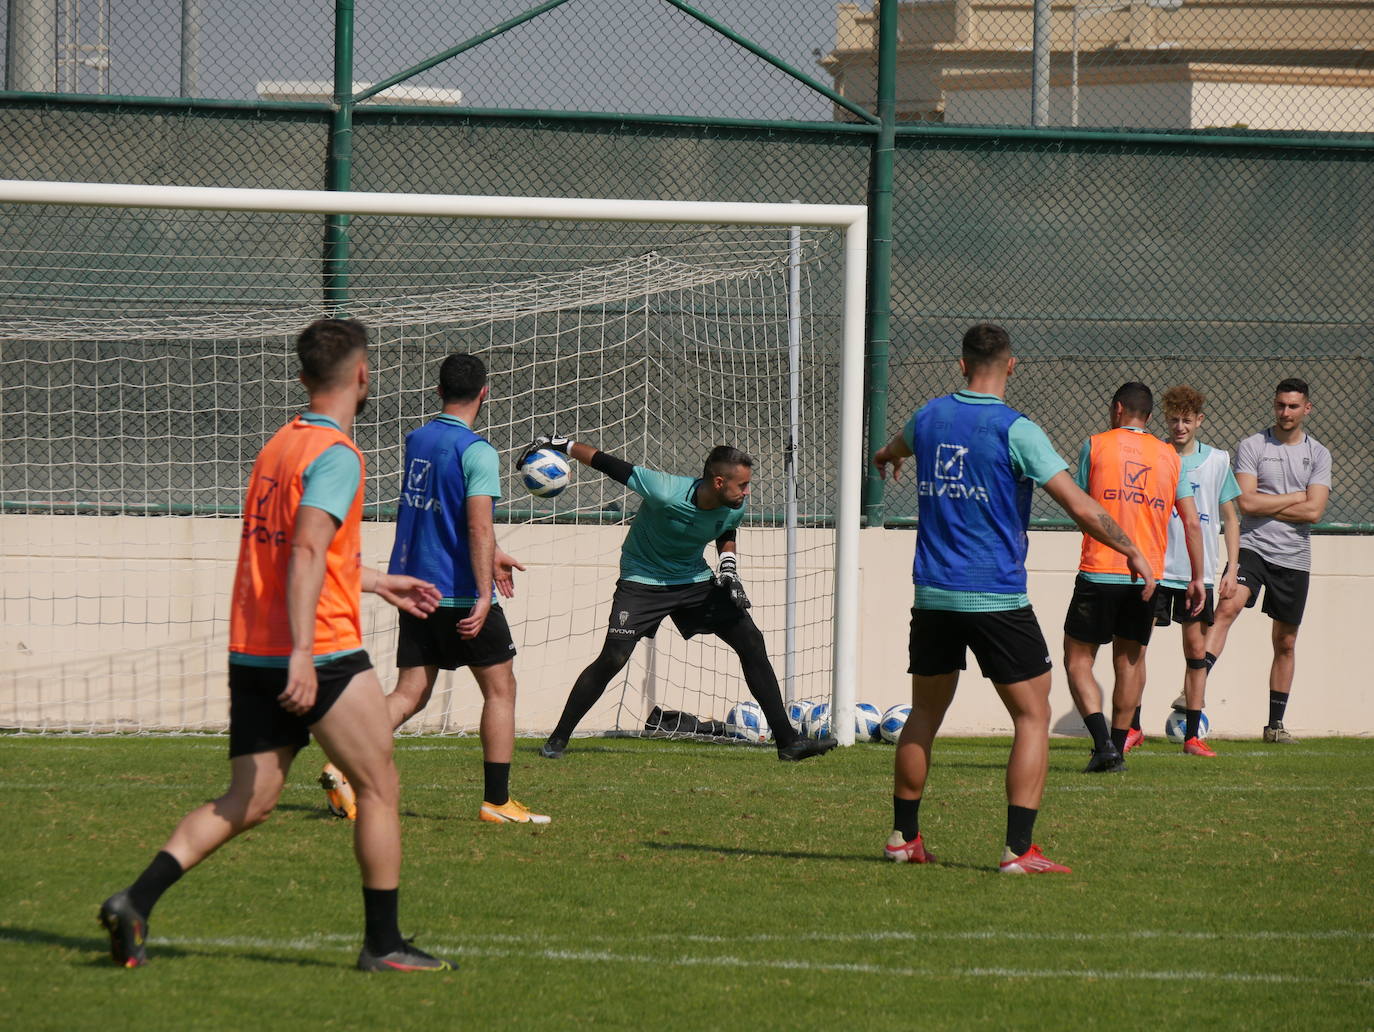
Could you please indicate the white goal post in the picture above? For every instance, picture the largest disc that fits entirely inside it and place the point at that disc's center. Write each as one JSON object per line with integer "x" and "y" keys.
{"x": 849, "y": 220}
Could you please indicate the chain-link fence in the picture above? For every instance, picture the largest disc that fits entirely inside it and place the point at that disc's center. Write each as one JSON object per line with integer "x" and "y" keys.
{"x": 1177, "y": 256}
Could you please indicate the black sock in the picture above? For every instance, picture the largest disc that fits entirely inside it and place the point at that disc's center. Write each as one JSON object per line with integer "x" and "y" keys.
{"x": 1119, "y": 739}
{"x": 157, "y": 878}
{"x": 1020, "y": 828}
{"x": 1135, "y": 724}
{"x": 1210, "y": 660}
{"x": 497, "y": 783}
{"x": 906, "y": 817}
{"x": 1278, "y": 702}
{"x": 1097, "y": 727}
{"x": 1192, "y": 720}
{"x": 382, "y": 930}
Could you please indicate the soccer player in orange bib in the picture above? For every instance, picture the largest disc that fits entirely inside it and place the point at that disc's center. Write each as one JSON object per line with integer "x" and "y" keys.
{"x": 297, "y": 666}
{"x": 1137, "y": 479}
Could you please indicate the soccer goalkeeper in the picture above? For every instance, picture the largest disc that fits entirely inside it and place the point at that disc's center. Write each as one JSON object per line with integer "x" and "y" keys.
{"x": 664, "y": 573}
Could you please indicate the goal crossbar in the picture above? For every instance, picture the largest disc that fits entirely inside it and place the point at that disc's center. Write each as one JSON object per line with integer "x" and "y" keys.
{"x": 850, "y": 219}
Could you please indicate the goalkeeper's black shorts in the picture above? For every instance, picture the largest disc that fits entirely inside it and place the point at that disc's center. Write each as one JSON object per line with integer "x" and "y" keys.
{"x": 698, "y": 608}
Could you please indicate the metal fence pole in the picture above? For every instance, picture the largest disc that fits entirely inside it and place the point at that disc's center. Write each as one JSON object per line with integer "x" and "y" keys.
{"x": 880, "y": 255}
{"x": 340, "y": 170}
{"x": 1040, "y": 64}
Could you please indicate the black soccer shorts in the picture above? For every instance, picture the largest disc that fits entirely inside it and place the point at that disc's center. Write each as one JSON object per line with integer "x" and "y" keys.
{"x": 259, "y": 723}
{"x": 1100, "y": 612}
{"x": 434, "y": 641}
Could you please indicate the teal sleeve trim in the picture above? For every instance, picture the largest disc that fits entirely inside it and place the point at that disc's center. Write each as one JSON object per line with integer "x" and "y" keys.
{"x": 332, "y": 481}
{"x": 1085, "y": 462}
{"x": 1032, "y": 454}
{"x": 1229, "y": 488}
{"x": 482, "y": 470}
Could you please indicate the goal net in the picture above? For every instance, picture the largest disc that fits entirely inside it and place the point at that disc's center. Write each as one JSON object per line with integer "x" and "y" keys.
{"x": 148, "y": 353}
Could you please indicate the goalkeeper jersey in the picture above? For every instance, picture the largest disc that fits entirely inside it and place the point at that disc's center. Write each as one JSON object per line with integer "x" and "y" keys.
{"x": 670, "y": 533}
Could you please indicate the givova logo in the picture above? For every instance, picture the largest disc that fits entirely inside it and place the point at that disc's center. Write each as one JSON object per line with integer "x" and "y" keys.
{"x": 949, "y": 461}
{"x": 417, "y": 476}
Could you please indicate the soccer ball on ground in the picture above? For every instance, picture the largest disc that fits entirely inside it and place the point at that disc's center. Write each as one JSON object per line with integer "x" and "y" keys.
{"x": 893, "y": 721}
{"x": 1175, "y": 726}
{"x": 866, "y": 721}
{"x": 745, "y": 720}
{"x": 546, "y": 473}
{"x": 796, "y": 714}
{"x": 817, "y": 722}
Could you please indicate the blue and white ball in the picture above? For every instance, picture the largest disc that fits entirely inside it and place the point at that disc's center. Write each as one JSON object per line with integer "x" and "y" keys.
{"x": 817, "y": 723}
{"x": 745, "y": 720}
{"x": 866, "y": 721}
{"x": 893, "y": 721}
{"x": 796, "y": 714}
{"x": 1176, "y": 726}
{"x": 546, "y": 473}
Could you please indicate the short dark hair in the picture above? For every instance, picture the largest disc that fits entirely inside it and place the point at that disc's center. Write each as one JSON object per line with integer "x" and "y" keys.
{"x": 326, "y": 345}
{"x": 723, "y": 459}
{"x": 461, "y": 378}
{"x": 1291, "y": 384}
{"x": 984, "y": 343}
{"x": 1135, "y": 398}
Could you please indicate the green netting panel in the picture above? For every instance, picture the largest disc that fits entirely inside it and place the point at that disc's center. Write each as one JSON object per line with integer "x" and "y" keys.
{"x": 1228, "y": 270}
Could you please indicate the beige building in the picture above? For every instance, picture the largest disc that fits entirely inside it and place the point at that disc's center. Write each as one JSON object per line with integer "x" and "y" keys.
{"x": 1261, "y": 64}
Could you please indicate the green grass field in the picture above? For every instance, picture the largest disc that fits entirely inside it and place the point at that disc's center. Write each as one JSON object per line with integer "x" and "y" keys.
{"x": 684, "y": 885}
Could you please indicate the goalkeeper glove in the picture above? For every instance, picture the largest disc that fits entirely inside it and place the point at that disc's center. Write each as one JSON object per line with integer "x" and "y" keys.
{"x": 727, "y": 577}
{"x": 542, "y": 442}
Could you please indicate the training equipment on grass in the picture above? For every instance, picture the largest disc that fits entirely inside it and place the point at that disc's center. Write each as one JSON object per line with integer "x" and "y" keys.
{"x": 150, "y": 352}
{"x": 745, "y": 720}
{"x": 1175, "y": 726}
{"x": 546, "y": 473}
{"x": 817, "y": 723}
{"x": 796, "y": 714}
{"x": 866, "y": 722}
{"x": 893, "y": 721}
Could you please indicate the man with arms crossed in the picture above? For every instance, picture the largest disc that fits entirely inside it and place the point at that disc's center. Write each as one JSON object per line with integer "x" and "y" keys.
{"x": 977, "y": 464}
{"x": 1285, "y": 482}
{"x": 296, "y": 663}
{"x": 1137, "y": 478}
{"x": 663, "y": 573}
{"x": 1208, "y": 471}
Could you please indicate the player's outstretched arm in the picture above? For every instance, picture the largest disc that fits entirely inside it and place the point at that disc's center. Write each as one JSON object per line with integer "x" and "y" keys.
{"x": 1230, "y": 529}
{"x": 1098, "y": 524}
{"x": 409, "y": 594}
{"x": 616, "y": 468}
{"x": 893, "y": 454}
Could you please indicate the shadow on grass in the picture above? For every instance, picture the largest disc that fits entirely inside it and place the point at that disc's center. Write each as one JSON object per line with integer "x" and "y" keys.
{"x": 156, "y": 950}
{"x": 796, "y": 854}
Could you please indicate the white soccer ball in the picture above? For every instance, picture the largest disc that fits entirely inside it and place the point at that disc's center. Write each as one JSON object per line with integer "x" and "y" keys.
{"x": 546, "y": 473}
{"x": 796, "y": 715}
{"x": 745, "y": 720}
{"x": 1176, "y": 726}
{"x": 893, "y": 721}
{"x": 866, "y": 721}
{"x": 817, "y": 723}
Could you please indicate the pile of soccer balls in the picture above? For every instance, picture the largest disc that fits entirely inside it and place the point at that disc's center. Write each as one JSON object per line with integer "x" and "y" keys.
{"x": 746, "y": 721}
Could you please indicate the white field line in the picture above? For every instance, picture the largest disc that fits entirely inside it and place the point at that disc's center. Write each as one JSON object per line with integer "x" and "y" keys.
{"x": 341, "y": 943}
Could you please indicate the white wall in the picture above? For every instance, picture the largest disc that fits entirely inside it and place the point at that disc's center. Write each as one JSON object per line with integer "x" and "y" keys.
{"x": 97, "y": 611}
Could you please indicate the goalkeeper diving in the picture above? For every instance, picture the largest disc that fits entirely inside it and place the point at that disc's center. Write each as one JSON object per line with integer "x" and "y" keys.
{"x": 664, "y": 573}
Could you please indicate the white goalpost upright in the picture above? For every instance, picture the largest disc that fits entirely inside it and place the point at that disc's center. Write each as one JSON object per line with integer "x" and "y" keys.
{"x": 849, "y": 222}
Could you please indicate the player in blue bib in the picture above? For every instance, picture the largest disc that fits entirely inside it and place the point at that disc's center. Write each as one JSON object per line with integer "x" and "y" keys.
{"x": 664, "y": 573}
{"x": 450, "y": 480}
{"x": 977, "y": 463}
